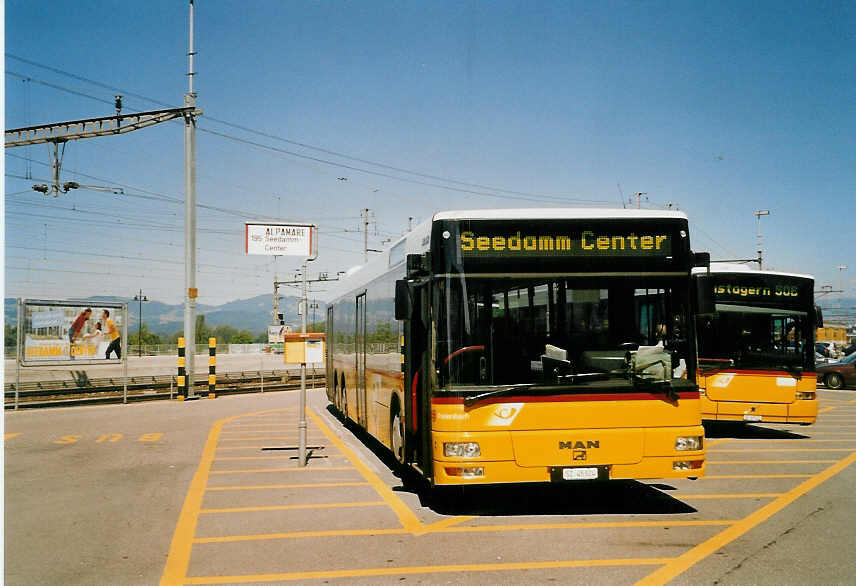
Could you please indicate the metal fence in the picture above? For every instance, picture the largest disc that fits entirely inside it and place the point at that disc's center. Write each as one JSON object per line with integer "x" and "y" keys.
{"x": 172, "y": 349}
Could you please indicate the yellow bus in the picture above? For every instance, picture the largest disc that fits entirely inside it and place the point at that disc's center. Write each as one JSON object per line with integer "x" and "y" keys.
{"x": 540, "y": 345}
{"x": 756, "y": 353}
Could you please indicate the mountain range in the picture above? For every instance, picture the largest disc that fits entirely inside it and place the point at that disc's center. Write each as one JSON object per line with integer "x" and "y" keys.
{"x": 253, "y": 314}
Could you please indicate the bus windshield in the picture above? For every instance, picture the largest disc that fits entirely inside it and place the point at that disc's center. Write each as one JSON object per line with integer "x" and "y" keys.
{"x": 565, "y": 332}
{"x": 756, "y": 338}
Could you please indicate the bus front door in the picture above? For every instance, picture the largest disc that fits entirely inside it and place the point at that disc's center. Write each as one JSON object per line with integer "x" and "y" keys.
{"x": 360, "y": 357}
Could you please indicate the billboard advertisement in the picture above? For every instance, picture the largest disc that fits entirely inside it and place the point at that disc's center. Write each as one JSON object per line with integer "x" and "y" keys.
{"x": 72, "y": 332}
{"x": 279, "y": 239}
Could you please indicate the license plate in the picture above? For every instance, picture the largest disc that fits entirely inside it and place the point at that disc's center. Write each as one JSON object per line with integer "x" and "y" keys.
{"x": 751, "y": 418}
{"x": 579, "y": 473}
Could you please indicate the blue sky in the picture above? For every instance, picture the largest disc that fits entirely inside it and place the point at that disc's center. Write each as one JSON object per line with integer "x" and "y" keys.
{"x": 719, "y": 108}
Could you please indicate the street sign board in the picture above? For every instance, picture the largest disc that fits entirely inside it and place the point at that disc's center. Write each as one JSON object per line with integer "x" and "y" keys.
{"x": 278, "y": 239}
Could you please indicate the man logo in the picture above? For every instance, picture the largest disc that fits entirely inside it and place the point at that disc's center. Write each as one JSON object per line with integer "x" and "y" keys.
{"x": 579, "y": 454}
{"x": 578, "y": 445}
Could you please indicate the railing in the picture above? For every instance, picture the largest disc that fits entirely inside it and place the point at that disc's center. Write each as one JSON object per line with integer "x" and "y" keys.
{"x": 171, "y": 349}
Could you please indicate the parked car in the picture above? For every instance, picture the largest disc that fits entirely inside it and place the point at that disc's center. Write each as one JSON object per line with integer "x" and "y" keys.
{"x": 838, "y": 374}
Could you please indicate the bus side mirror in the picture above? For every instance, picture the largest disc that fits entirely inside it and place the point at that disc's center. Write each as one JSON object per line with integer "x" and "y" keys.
{"x": 818, "y": 317}
{"x": 705, "y": 304}
{"x": 701, "y": 259}
{"x": 403, "y": 299}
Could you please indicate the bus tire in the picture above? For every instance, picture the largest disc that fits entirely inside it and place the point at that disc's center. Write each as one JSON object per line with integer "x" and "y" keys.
{"x": 833, "y": 380}
{"x": 396, "y": 435}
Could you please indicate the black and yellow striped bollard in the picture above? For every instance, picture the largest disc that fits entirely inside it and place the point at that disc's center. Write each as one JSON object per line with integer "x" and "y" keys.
{"x": 212, "y": 367}
{"x": 181, "y": 379}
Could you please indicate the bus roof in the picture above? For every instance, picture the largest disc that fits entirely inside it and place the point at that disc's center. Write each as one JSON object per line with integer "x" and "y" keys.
{"x": 555, "y": 213}
{"x": 730, "y": 267}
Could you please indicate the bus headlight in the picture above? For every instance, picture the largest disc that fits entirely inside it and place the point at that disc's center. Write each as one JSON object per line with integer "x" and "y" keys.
{"x": 461, "y": 449}
{"x": 805, "y": 396}
{"x": 689, "y": 443}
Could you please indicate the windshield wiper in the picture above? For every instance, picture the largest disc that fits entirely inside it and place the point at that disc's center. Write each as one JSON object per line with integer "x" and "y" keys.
{"x": 645, "y": 383}
{"x": 509, "y": 390}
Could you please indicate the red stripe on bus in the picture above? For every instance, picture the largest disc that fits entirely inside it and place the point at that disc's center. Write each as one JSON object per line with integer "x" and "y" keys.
{"x": 567, "y": 398}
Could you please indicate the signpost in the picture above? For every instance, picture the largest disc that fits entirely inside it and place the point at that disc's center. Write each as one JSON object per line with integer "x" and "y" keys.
{"x": 287, "y": 239}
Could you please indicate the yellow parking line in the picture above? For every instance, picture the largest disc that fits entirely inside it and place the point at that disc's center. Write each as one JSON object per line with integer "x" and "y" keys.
{"x": 225, "y": 458}
{"x": 769, "y": 462}
{"x": 10, "y": 435}
{"x": 445, "y": 526}
{"x": 178, "y": 558}
{"x": 367, "y": 572}
{"x": 291, "y": 437}
{"x": 261, "y": 470}
{"x": 826, "y": 410}
{"x": 710, "y": 443}
{"x": 293, "y": 507}
{"x": 440, "y": 525}
{"x": 296, "y": 534}
{"x": 408, "y": 519}
{"x": 744, "y": 495}
{"x": 683, "y": 562}
{"x": 272, "y": 486}
{"x": 746, "y": 476}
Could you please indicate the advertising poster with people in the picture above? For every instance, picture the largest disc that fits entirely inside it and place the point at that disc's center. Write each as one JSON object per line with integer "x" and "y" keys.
{"x": 72, "y": 331}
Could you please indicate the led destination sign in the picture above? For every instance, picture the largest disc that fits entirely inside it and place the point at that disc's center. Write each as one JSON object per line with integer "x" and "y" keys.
{"x": 763, "y": 290}
{"x": 584, "y": 243}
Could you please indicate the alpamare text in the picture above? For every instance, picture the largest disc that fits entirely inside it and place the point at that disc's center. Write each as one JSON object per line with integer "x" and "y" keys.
{"x": 587, "y": 241}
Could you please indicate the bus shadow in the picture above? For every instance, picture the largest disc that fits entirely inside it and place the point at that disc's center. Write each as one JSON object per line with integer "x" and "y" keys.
{"x": 616, "y": 497}
{"x": 573, "y": 498}
{"x": 739, "y": 430}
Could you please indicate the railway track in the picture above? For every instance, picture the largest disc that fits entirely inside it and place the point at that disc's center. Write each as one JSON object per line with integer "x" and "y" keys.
{"x": 76, "y": 392}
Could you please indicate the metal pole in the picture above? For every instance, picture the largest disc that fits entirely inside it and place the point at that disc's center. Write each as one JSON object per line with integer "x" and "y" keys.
{"x": 190, "y": 223}
{"x": 301, "y": 455}
{"x": 124, "y": 343}
{"x": 18, "y": 354}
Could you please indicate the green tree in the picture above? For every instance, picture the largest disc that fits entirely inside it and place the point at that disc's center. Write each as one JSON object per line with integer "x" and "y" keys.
{"x": 144, "y": 336}
{"x": 203, "y": 332}
{"x": 225, "y": 334}
{"x": 11, "y": 336}
{"x": 243, "y": 337}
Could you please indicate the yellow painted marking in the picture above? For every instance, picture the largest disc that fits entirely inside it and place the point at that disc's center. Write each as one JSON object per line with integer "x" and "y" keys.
{"x": 745, "y": 495}
{"x": 272, "y": 486}
{"x": 769, "y": 462}
{"x": 297, "y": 534}
{"x": 408, "y": 520}
{"x": 178, "y": 559}
{"x": 741, "y": 476}
{"x": 233, "y": 448}
{"x": 826, "y": 410}
{"x": 111, "y": 437}
{"x": 150, "y": 437}
{"x": 716, "y": 441}
{"x": 441, "y": 525}
{"x": 683, "y": 562}
{"x": 68, "y": 439}
{"x": 292, "y": 507}
{"x": 852, "y": 401}
{"x": 291, "y": 437}
{"x": 224, "y": 458}
{"x": 260, "y": 470}
{"x": 452, "y": 569}
{"x": 10, "y": 435}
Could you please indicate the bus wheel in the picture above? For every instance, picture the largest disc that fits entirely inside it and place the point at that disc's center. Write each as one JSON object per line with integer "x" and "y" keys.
{"x": 396, "y": 436}
{"x": 833, "y": 380}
